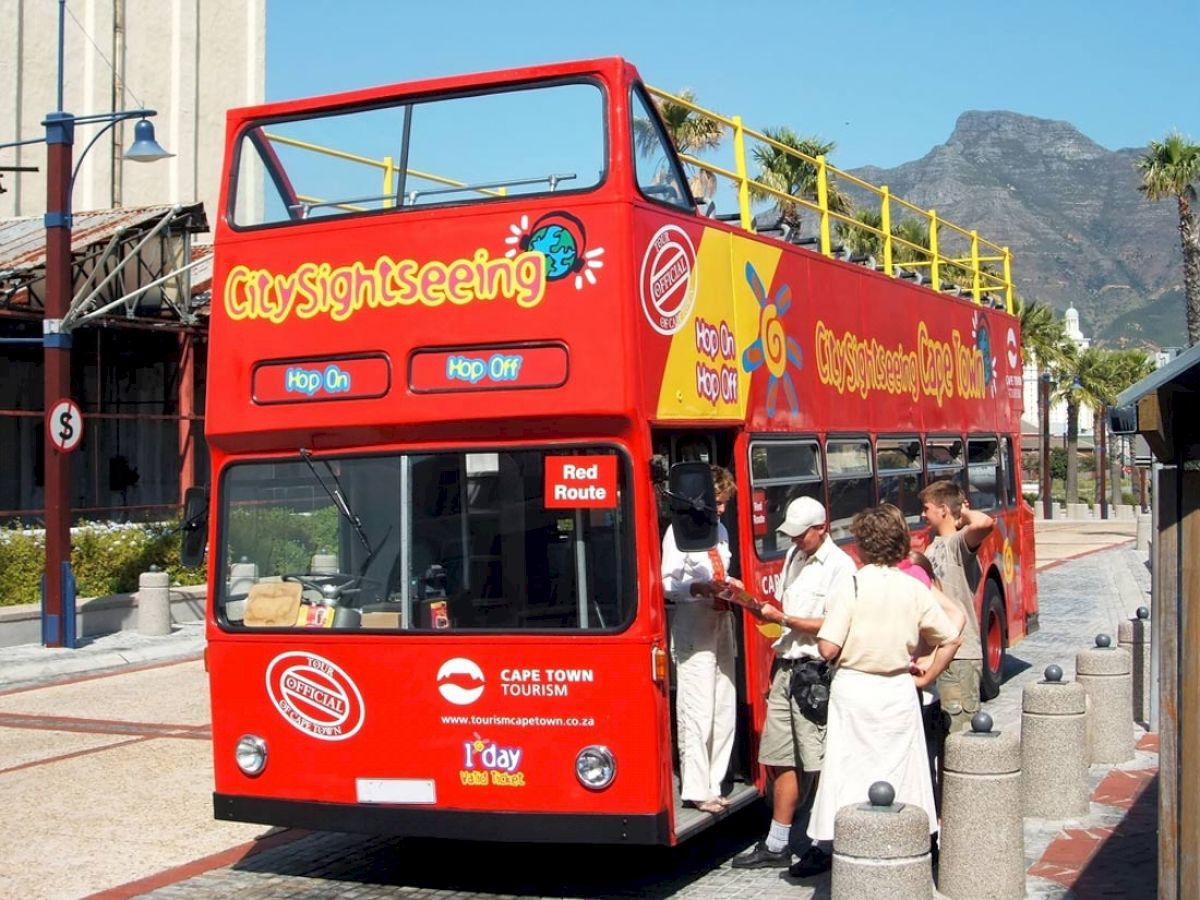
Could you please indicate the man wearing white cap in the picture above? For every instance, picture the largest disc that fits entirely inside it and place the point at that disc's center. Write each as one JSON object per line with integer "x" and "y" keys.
{"x": 814, "y": 570}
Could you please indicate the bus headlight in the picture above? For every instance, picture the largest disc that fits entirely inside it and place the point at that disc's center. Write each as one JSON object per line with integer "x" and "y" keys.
{"x": 595, "y": 767}
{"x": 251, "y": 754}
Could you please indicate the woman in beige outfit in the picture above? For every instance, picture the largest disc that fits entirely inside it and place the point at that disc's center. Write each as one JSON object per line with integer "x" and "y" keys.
{"x": 874, "y": 731}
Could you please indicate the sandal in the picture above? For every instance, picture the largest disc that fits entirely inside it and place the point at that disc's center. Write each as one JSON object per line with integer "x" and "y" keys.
{"x": 725, "y": 802}
{"x": 712, "y": 807}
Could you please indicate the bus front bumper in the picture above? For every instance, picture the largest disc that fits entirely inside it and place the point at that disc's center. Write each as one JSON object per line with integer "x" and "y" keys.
{"x": 471, "y": 825}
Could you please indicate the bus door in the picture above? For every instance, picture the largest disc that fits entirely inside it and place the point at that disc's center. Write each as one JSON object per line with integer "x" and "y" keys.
{"x": 716, "y": 448}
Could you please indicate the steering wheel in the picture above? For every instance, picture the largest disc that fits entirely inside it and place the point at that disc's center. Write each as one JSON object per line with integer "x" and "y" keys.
{"x": 334, "y": 586}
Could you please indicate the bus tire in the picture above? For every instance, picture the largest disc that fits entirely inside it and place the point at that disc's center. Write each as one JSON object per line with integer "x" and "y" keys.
{"x": 993, "y": 635}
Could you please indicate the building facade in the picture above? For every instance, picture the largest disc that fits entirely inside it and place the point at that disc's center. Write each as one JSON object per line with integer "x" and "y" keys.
{"x": 188, "y": 59}
{"x": 137, "y": 371}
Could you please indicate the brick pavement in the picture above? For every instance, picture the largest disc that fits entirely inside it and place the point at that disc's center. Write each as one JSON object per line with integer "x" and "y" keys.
{"x": 1080, "y": 597}
{"x": 1110, "y": 852}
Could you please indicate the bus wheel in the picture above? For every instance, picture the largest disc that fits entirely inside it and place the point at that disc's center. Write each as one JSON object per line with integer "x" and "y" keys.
{"x": 994, "y": 639}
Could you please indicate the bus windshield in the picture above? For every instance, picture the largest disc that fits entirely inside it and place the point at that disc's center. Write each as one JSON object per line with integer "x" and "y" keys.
{"x": 423, "y": 542}
{"x": 441, "y": 150}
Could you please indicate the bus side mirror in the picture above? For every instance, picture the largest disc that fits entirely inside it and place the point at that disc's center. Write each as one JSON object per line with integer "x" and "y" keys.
{"x": 693, "y": 500}
{"x": 195, "y": 527}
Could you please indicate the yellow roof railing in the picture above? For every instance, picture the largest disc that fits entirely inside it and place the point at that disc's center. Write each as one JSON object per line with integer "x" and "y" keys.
{"x": 952, "y": 258}
{"x": 386, "y": 164}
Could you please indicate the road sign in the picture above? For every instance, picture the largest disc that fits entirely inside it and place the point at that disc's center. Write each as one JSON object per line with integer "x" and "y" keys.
{"x": 64, "y": 425}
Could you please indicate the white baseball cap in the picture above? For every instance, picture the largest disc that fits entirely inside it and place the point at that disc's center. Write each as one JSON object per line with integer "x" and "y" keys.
{"x": 803, "y": 513}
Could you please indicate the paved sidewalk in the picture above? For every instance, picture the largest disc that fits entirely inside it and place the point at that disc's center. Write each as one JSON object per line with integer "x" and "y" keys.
{"x": 31, "y": 664}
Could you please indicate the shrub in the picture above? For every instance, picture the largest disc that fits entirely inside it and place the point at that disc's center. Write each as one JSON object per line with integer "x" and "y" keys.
{"x": 1129, "y": 498}
{"x": 106, "y": 558}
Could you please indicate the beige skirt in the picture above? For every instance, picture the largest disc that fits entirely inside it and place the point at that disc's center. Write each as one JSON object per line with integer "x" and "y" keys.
{"x": 874, "y": 734}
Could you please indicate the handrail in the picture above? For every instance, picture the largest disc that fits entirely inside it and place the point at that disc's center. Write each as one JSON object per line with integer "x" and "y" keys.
{"x": 386, "y": 164}
{"x": 965, "y": 266}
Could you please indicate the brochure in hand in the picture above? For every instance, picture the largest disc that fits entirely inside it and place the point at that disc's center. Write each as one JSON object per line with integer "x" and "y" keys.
{"x": 741, "y": 598}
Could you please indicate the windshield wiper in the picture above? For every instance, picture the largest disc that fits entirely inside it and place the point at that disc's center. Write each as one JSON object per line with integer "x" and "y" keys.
{"x": 339, "y": 500}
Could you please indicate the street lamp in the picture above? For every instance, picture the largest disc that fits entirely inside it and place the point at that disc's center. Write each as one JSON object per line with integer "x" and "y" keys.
{"x": 1044, "y": 404}
{"x": 63, "y": 435}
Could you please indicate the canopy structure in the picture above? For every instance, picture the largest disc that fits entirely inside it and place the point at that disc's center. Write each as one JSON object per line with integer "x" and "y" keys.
{"x": 137, "y": 263}
{"x": 1161, "y": 408}
{"x": 139, "y": 319}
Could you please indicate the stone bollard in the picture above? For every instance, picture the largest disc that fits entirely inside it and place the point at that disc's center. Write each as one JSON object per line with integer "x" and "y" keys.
{"x": 981, "y": 808}
{"x": 1143, "y": 532}
{"x": 154, "y": 603}
{"x": 1054, "y": 751}
{"x": 1134, "y": 636}
{"x": 1077, "y": 510}
{"x": 323, "y": 563}
{"x": 1105, "y": 673}
{"x": 243, "y": 575}
{"x": 881, "y": 849}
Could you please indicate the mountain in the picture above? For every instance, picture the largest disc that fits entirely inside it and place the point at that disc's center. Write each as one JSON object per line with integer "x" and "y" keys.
{"x": 1070, "y": 211}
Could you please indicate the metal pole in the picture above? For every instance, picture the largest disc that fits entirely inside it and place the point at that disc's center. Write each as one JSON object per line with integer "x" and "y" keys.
{"x": 56, "y": 365}
{"x": 62, "y": 9}
{"x": 1103, "y": 473}
{"x": 1044, "y": 403}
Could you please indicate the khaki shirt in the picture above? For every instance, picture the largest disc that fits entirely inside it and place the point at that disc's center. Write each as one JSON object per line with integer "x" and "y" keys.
{"x": 879, "y": 624}
{"x": 957, "y": 568}
{"x": 803, "y": 592}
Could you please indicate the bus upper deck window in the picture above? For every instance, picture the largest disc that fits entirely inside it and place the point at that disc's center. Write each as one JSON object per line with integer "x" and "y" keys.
{"x": 346, "y": 162}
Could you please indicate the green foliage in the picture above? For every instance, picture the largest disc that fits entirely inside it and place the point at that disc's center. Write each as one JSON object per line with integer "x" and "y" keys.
{"x": 22, "y": 558}
{"x": 1058, "y": 462}
{"x": 1129, "y": 498}
{"x": 280, "y": 540}
{"x": 106, "y": 559}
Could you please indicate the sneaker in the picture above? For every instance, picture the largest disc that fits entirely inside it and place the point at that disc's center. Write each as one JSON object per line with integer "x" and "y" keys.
{"x": 762, "y": 858}
{"x": 813, "y": 862}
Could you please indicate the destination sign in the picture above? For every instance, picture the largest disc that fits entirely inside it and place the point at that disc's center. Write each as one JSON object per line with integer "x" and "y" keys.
{"x": 332, "y": 378}
{"x": 488, "y": 368}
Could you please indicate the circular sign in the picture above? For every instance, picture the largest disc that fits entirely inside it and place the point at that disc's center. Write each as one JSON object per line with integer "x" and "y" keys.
{"x": 64, "y": 425}
{"x": 668, "y": 279}
{"x": 315, "y": 696}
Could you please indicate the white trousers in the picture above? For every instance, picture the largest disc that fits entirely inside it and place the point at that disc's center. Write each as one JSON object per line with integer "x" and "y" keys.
{"x": 874, "y": 734}
{"x": 705, "y": 698}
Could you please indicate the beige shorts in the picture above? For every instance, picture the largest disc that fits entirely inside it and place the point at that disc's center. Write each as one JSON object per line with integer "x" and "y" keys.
{"x": 958, "y": 689}
{"x": 777, "y": 747}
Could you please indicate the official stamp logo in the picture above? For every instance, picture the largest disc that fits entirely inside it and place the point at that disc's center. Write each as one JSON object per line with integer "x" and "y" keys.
{"x": 315, "y": 696}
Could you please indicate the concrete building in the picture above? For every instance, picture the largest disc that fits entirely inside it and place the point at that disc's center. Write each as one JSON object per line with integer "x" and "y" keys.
{"x": 139, "y": 355}
{"x": 189, "y": 59}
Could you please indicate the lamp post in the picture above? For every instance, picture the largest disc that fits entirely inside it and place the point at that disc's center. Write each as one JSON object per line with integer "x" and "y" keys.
{"x": 1103, "y": 462}
{"x": 1044, "y": 404}
{"x": 58, "y": 593}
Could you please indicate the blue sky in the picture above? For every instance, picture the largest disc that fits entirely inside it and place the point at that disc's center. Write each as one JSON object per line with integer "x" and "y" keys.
{"x": 886, "y": 81}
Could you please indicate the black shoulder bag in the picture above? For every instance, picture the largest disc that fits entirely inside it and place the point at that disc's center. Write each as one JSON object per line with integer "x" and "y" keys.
{"x": 810, "y": 688}
{"x": 810, "y": 685}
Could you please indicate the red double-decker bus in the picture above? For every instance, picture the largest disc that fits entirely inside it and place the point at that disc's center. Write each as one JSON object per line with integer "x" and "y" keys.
{"x": 453, "y": 323}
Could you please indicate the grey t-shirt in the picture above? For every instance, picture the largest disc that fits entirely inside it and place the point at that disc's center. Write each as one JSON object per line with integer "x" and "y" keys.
{"x": 957, "y": 568}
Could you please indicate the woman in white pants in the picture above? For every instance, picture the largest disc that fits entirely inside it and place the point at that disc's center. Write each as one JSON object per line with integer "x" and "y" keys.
{"x": 702, "y": 644}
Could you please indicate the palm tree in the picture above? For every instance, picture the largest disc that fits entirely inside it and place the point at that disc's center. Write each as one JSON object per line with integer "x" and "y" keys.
{"x": 1092, "y": 377}
{"x": 1042, "y": 340}
{"x": 1169, "y": 168}
{"x": 794, "y": 174}
{"x": 689, "y": 131}
{"x": 913, "y": 231}
{"x": 861, "y": 239}
{"x": 1125, "y": 368}
{"x": 1081, "y": 380}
